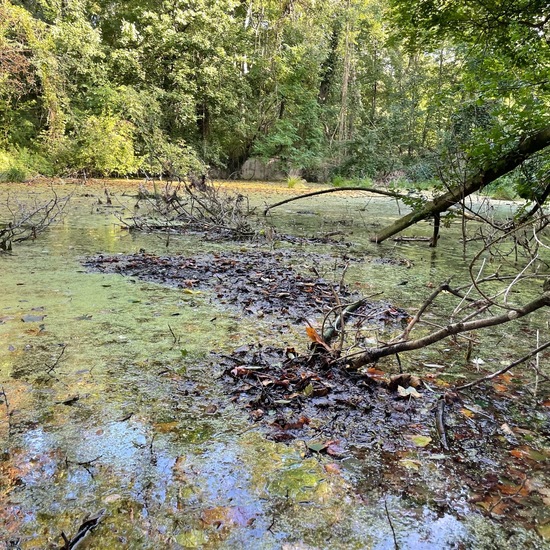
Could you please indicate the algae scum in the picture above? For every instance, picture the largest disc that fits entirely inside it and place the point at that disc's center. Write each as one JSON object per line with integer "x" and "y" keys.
{"x": 165, "y": 397}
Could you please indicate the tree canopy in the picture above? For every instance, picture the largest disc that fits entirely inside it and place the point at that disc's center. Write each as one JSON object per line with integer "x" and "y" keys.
{"x": 379, "y": 89}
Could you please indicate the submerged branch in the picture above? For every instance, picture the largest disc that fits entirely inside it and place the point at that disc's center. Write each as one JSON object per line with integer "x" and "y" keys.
{"x": 440, "y": 424}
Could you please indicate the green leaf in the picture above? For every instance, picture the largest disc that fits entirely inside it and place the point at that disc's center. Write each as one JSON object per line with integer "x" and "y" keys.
{"x": 420, "y": 440}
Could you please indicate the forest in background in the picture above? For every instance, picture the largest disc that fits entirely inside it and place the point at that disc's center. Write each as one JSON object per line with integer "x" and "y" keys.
{"x": 327, "y": 89}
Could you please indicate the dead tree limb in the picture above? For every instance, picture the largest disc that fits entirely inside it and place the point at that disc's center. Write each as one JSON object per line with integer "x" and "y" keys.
{"x": 372, "y": 355}
{"x": 505, "y": 369}
{"x": 525, "y": 148}
{"x": 30, "y": 219}
{"x": 336, "y": 190}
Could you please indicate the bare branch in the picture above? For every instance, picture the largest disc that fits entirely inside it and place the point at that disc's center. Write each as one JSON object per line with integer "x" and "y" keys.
{"x": 372, "y": 355}
{"x": 505, "y": 369}
{"x": 336, "y": 190}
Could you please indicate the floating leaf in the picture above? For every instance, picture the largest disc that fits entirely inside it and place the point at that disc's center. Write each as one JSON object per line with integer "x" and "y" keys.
{"x": 240, "y": 371}
{"x": 545, "y": 493}
{"x": 335, "y": 449}
{"x": 528, "y": 452}
{"x": 83, "y": 318}
{"x": 316, "y": 446}
{"x": 410, "y": 464}
{"x": 420, "y": 440}
{"x": 313, "y": 335}
{"x": 242, "y": 349}
{"x": 507, "y": 430}
{"x": 513, "y": 489}
{"x": 166, "y": 427}
{"x": 376, "y": 373}
{"x": 494, "y": 504}
{"x": 32, "y": 318}
{"x": 333, "y": 468}
{"x": 194, "y": 538}
{"x": 544, "y": 531}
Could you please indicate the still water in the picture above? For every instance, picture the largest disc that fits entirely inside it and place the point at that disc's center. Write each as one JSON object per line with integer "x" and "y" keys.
{"x": 110, "y": 401}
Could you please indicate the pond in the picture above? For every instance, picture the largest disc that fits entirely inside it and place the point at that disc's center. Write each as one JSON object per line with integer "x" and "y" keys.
{"x": 114, "y": 410}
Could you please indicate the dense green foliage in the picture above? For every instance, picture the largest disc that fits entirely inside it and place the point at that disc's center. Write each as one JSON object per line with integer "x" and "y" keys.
{"x": 332, "y": 88}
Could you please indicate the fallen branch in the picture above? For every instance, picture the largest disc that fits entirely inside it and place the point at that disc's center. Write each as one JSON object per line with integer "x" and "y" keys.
{"x": 372, "y": 355}
{"x": 505, "y": 369}
{"x": 52, "y": 367}
{"x": 335, "y": 190}
{"x": 525, "y": 148}
{"x": 412, "y": 239}
{"x": 29, "y": 220}
{"x": 83, "y": 531}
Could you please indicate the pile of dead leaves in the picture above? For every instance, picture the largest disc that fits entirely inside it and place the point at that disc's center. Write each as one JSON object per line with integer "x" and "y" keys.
{"x": 389, "y": 423}
{"x": 258, "y": 283}
{"x": 304, "y": 396}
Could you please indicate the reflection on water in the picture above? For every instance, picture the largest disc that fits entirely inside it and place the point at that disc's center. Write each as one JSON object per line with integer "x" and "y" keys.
{"x": 124, "y": 419}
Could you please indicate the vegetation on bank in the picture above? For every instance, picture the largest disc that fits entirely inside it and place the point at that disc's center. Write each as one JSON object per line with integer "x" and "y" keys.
{"x": 380, "y": 89}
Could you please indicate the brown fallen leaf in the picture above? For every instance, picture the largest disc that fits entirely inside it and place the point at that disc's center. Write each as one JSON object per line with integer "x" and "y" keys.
{"x": 333, "y": 469}
{"x": 313, "y": 335}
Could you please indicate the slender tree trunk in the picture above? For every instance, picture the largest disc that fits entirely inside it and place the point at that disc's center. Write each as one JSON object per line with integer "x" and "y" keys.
{"x": 526, "y": 148}
{"x": 343, "y": 117}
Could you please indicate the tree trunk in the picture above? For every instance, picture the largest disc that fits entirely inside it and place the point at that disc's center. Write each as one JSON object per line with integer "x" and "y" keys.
{"x": 526, "y": 147}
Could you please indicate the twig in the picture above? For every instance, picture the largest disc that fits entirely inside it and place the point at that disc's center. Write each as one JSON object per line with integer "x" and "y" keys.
{"x": 440, "y": 424}
{"x": 335, "y": 190}
{"x": 371, "y": 355}
{"x": 518, "y": 276}
{"x": 56, "y": 362}
{"x": 176, "y": 338}
{"x": 505, "y": 369}
{"x": 425, "y": 305}
{"x": 8, "y": 411}
{"x": 391, "y": 525}
{"x": 328, "y": 334}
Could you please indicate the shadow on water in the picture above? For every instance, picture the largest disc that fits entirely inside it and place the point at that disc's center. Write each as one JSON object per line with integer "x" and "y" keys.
{"x": 109, "y": 399}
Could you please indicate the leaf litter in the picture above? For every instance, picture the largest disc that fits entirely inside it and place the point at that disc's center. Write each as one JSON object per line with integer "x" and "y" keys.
{"x": 387, "y": 422}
